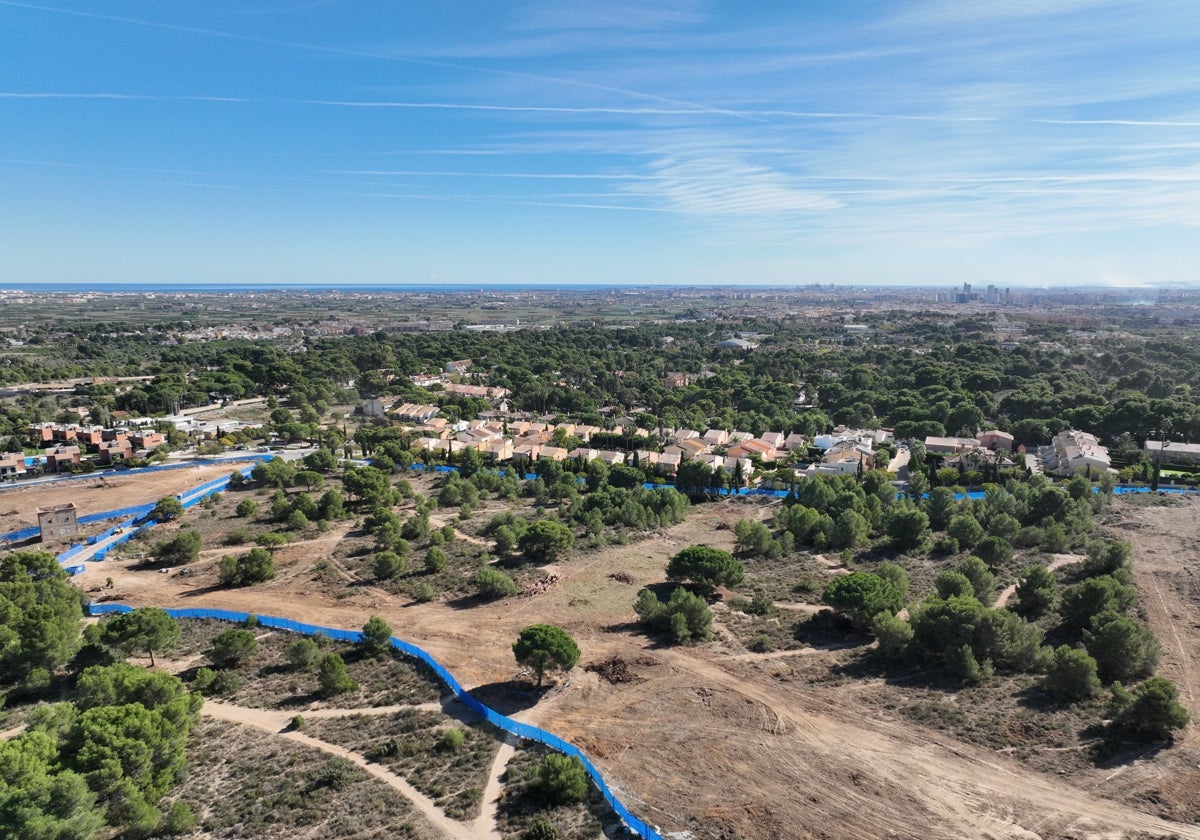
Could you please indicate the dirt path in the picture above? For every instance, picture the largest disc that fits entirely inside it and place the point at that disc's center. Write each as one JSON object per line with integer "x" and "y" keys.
{"x": 489, "y": 813}
{"x": 1058, "y": 562}
{"x": 269, "y": 721}
{"x": 442, "y": 522}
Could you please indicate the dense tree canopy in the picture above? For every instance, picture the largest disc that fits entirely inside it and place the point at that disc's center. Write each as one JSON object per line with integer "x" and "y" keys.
{"x": 40, "y": 614}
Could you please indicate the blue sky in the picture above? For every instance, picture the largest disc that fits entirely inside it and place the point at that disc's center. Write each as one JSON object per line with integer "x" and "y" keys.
{"x": 1024, "y": 142}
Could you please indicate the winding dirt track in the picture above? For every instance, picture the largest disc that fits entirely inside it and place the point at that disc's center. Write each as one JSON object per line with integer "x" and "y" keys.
{"x": 276, "y": 723}
{"x": 722, "y": 747}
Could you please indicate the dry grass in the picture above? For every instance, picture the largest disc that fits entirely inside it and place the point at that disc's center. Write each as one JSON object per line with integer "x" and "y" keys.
{"x": 519, "y": 807}
{"x": 270, "y": 682}
{"x": 246, "y": 783}
{"x": 410, "y": 744}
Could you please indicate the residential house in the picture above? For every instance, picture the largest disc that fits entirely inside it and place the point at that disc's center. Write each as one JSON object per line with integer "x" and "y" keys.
{"x": 845, "y": 466}
{"x": 611, "y": 458}
{"x": 146, "y": 439}
{"x": 950, "y": 445}
{"x": 794, "y": 441}
{"x": 476, "y": 391}
{"x": 379, "y": 406}
{"x": 688, "y": 448}
{"x": 61, "y": 457}
{"x": 677, "y": 380}
{"x": 529, "y": 451}
{"x": 64, "y": 434}
{"x": 996, "y": 440}
{"x": 583, "y": 453}
{"x": 115, "y": 451}
{"x": 1077, "y": 453}
{"x": 585, "y": 432}
{"x": 460, "y": 366}
{"x": 668, "y": 463}
{"x": 12, "y": 464}
{"x": 754, "y": 448}
{"x": 553, "y": 453}
{"x": 775, "y": 440}
{"x": 89, "y": 437}
{"x": 1169, "y": 452}
{"x": 846, "y": 450}
{"x": 716, "y": 437}
{"x": 416, "y": 412}
{"x": 41, "y": 432}
{"x": 499, "y": 450}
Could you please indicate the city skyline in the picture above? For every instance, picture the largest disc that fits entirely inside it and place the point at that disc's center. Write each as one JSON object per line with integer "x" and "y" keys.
{"x": 913, "y": 143}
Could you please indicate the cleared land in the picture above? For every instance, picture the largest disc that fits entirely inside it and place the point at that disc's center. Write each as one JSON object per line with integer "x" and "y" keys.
{"x": 19, "y": 505}
{"x": 723, "y": 744}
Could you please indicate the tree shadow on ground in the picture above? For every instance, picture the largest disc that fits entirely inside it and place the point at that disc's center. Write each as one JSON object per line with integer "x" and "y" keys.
{"x": 509, "y": 696}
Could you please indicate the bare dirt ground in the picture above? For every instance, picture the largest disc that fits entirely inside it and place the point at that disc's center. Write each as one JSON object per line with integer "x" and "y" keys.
{"x": 19, "y": 505}
{"x": 719, "y": 745}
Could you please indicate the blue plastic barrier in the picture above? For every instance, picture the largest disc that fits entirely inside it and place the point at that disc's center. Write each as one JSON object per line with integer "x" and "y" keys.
{"x": 521, "y": 730}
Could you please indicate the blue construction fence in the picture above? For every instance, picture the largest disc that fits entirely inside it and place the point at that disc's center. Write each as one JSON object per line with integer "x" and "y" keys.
{"x": 521, "y": 730}
{"x": 134, "y": 520}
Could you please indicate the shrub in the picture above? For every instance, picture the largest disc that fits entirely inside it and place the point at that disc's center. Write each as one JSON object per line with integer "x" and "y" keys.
{"x": 707, "y": 567}
{"x": 255, "y": 567}
{"x": 861, "y": 596}
{"x": 237, "y": 536}
{"x": 1036, "y": 593}
{"x": 684, "y": 618}
{"x": 1088, "y": 598}
{"x": 424, "y": 593}
{"x": 995, "y": 551}
{"x": 953, "y": 584}
{"x": 332, "y": 677}
{"x": 540, "y": 829}
{"x": 559, "y": 780}
{"x": 376, "y": 636}
{"x": 1150, "y": 712}
{"x": 388, "y": 565}
{"x": 452, "y": 739}
{"x": 184, "y": 548}
{"x": 233, "y": 647}
{"x": 761, "y": 643}
{"x": 302, "y": 653}
{"x": 435, "y": 560}
{"x": 492, "y": 583}
{"x": 1122, "y": 646}
{"x": 983, "y": 582}
{"x": 894, "y": 635}
{"x": 1071, "y": 674}
{"x": 246, "y": 508}
{"x": 179, "y": 820}
{"x": 546, "y": 540}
